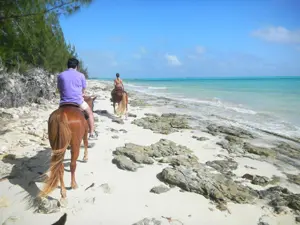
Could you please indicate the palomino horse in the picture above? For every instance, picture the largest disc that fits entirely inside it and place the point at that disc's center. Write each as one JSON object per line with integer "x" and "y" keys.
{"x": 67, "y": 125}
{"x": 121, "y": 97}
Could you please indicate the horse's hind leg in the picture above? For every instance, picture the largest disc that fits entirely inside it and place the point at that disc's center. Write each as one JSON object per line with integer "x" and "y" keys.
{"x": 114, "y": 105}
{"x": 75, "y": 147}
{"x": 85, "y": 142}
{"x": 63, "y": 191}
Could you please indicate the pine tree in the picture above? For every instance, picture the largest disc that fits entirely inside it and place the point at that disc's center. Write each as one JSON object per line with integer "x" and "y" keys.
{"x": 31, "y": 34}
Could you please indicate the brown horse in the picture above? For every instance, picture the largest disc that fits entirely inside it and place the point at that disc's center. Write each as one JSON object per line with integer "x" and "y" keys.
{"x": 121, "y": 97}
{"x": 67, "y": 125}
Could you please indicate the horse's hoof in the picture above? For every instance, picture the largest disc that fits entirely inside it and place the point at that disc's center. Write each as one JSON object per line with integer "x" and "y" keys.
{"x": 63, "y": 202}
{"x": 85, "y": 160}
{"x": 74, "y": 186}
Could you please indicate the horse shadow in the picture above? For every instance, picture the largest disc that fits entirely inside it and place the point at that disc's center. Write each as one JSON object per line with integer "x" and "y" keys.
{"x": 26, "y": 171}
{"x": 105, "y": 113}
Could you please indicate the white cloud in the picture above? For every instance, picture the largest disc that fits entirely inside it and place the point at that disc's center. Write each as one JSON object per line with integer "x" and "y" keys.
{"x": 200, "y": 50}
{"x": 278, "y": 35}
{"x": 172, "y": 60}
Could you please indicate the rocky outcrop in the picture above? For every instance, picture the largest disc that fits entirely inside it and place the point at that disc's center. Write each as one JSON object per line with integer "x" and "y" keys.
{"x": 164, "y": 124}
{"x": 35, "y": 86}
{"x": 164, "y": 151}
{"x": 261, "y": 180}
{"x": 259, "y": 150}
{"x": 233, "y": 131}
{"x": 279, "y": 198}
{"x": 293, "y": 178}
{"x": 213, "y": 186}
{"x": 223, "y": 166}
{"x": 186, "y": 172}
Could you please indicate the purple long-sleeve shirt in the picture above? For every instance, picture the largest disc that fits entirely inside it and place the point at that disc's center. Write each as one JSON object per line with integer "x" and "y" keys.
{"x": 70, "y": 84}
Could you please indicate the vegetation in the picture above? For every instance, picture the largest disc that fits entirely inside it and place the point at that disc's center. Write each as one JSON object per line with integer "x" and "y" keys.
{"x": 31, "y": 35}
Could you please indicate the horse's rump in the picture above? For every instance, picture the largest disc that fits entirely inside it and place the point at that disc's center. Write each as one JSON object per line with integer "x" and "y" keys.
{"x": 75, "y": 105}
{"x": 118, "y": 94}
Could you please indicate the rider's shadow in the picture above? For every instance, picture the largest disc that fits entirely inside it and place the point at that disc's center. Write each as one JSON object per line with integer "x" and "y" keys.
{"x": 27, "y": 171}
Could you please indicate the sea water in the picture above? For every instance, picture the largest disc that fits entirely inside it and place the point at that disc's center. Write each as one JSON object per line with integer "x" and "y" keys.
{"x": 271, "y": 103}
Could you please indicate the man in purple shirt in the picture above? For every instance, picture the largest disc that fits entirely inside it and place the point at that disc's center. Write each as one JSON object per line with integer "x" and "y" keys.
{"x": 71, "y": 85}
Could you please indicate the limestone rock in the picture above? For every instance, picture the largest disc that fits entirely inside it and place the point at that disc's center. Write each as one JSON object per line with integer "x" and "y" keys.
{"x": 159, "y": 189}
{"x": 124, "y": 163}
{"x": 164, "y": 124}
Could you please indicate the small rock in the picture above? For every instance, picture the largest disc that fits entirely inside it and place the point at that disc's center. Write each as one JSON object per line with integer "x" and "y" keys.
{"x": 119, "y": 121}
{"x": 124, "y": 163}
{"x": 297, "y": 219}
{"x": 47, "y": 206}
{"x": 105, "y": 187}
{"x": 200, "y": 138}
{"x": 123, "y": 130}
{"x": 159, "y": 189}
{"x": 256, "y": 179}
{"x": 91, "y": 145}
{"x": 148, "y": 221}
{"x": 115, "y": 137}
{"x": 132, "y": 115}
{"x": 262, "y": 223}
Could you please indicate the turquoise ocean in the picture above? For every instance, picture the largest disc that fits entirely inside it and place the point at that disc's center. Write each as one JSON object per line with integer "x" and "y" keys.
{"x": 270, "y": 103}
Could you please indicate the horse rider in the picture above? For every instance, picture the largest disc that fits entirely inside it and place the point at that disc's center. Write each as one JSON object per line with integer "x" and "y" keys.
{"x": 71, "y": 85}
{"x": 118, "y": 84}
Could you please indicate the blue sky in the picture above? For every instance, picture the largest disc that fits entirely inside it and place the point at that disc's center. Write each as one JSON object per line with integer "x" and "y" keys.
{"x": 187, "y": 38}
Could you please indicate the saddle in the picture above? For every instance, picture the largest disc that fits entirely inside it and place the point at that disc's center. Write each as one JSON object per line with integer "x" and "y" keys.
{"x": 72, "y": 104}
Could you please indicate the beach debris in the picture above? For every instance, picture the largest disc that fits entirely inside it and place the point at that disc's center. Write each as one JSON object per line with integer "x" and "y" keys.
{"x": 164, "y": 124}
{"x": 159, "y": 189}
{"x": 92, "y": 185}
{"x": 173, "y": 221}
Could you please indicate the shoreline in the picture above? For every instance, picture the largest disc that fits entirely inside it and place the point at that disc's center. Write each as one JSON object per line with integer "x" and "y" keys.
{"x": 123, "y": 197}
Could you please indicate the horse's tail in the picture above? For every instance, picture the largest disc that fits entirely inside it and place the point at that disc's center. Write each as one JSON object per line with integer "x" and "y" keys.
{"x": 59, "y": 135}
{"x": 122, "y": 105}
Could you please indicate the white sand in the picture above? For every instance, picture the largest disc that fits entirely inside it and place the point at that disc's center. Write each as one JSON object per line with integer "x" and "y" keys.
{"x": 129, "y": 199}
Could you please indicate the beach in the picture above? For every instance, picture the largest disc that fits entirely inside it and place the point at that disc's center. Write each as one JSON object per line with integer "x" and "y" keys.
{"x": 164, "y": 164}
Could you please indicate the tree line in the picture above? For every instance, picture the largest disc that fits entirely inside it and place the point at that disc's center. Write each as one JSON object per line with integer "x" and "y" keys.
{"x": 31, "y": 36}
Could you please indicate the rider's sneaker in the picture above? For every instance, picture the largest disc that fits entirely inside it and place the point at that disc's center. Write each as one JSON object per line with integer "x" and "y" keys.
{"x": 93, "y": 136}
